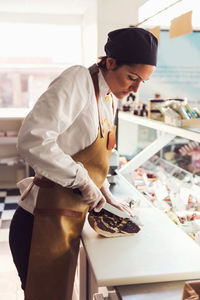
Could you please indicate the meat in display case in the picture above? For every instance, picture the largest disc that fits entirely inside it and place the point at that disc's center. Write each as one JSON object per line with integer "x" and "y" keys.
{"x": 165, "y": 185}
{"x": 172, "y": 190}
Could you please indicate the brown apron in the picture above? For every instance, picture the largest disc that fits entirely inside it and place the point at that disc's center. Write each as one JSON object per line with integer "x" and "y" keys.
{"x": 58, "y": 222}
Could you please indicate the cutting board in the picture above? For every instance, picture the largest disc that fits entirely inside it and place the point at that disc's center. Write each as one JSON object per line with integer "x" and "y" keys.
{"x": 159, "y": 252}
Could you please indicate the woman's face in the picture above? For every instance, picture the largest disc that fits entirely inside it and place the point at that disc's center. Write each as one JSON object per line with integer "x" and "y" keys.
{"x": 127, "y": 78}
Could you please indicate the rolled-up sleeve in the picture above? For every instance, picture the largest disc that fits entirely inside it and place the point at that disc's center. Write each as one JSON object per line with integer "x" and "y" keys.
{"x": 53, "y": 113}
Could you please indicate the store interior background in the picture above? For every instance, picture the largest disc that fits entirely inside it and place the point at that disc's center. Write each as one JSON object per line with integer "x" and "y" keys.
{"x": 39, "y": 39}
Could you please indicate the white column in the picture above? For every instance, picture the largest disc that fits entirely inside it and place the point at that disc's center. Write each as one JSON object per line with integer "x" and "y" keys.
{"x": 114, "y": 14}
{"x": 89, "y": 33}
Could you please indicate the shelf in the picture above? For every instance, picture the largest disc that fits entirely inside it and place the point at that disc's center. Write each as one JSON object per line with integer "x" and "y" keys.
{"x": 12, "y": 166}
{"x": 7, "y": 140}
{"x": 8, "y": 185}
{"x": 193, "y": 134}
{"x": 14, "y": 113}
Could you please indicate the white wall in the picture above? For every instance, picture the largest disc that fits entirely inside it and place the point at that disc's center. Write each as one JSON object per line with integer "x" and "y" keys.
{"x": 97, "y": 18}
{"x": 114, "y": 14}
{"x": 89, "y": 38}
{"x": 81, "y": 12}
{"x": 102, "y": 16}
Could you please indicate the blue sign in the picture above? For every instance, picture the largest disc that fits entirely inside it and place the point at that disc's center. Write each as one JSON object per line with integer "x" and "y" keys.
{"x": 178, "y": 71}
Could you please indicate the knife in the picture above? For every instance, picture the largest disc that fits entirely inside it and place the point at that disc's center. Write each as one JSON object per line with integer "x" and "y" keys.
{"x": 112, "y": 209}
{"x": 122, "y": 214}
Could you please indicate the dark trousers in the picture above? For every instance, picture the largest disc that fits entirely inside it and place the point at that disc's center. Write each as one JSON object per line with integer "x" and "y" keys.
{"x": 20, "y": 241}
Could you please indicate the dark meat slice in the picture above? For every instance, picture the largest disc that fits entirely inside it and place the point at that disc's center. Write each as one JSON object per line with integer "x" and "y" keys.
{"x": 110, "y": 225}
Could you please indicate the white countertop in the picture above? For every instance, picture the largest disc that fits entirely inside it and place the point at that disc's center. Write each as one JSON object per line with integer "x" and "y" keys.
{"x": 159, "y": 252}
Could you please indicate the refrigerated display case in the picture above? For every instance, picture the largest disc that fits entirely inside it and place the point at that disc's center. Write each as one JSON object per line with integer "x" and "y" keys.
{"x": 165, "y": 253}
{"x": 174, "y": 190}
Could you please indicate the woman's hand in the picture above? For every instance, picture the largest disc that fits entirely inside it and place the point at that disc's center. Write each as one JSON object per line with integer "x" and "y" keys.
{"x": 118, "y": 203}
{"x": 92, "y": 195}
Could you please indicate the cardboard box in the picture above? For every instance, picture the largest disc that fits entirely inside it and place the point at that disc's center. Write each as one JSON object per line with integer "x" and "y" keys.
{"x": 191, "y": 290}
{"x": 192, "y": 123}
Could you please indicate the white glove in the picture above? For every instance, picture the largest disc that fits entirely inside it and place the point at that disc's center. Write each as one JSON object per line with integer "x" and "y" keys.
{"x": 92, "y": 195}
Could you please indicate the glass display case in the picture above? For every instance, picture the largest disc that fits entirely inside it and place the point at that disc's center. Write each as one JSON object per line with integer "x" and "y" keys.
{"x": 156, "y": 262}
{"x": 164, "y": 168}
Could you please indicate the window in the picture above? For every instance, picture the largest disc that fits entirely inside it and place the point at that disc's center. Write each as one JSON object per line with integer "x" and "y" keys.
{"x": 178, "y": 70}
{"x": 31, "y": 56}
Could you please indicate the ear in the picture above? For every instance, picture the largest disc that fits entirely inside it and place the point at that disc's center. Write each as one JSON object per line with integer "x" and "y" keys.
{"x": 110, "y": 63}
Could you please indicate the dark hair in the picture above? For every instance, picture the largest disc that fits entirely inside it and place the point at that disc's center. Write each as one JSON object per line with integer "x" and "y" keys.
{"x": 102, "y": 63}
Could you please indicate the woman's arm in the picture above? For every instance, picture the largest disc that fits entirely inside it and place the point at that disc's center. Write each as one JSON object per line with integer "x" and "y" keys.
{"x": 53, "y": 113}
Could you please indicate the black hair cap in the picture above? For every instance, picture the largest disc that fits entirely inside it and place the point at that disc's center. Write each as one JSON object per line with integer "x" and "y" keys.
{"x": 132, "y": 45}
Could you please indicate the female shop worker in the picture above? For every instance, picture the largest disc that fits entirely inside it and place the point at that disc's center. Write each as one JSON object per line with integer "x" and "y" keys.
{"x": 67, "y": 139}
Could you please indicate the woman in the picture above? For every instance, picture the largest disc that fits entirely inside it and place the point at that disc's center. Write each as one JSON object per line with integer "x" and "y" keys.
{"x": 67, "y": 139}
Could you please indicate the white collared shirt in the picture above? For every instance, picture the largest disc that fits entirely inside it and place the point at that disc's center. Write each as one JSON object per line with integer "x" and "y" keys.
{"x": 63, "y": 122}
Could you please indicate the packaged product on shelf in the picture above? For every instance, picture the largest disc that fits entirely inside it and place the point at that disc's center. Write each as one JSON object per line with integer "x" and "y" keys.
{"x": 144, "y": 111}
{"x": 156, "y": 104}
{"x": 177, "y": 100}
{"x": 173, "y": 103}
{"x": 189, "y": 111}
{"x": 175, "y": 106}
{"x": 126, "y": 107}
{"x": 170, "y": 114}
{"x": 197, "y": 111}
{"x": 128, "y": 102}
{"x": 156, "y": 114}
{"x": 181, "y": 110}
{"x": 140, "y": 109}
{"x": 187, "y": 116}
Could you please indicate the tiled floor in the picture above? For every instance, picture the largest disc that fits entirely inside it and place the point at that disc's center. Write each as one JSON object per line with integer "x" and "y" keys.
{"x": 10, "y": 288}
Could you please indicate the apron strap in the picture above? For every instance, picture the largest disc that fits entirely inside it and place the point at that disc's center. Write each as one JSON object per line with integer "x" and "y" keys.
{"x": 58, "y": 212}
{"x": 43, "y": 182}
{"x": 94, "y": 70}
